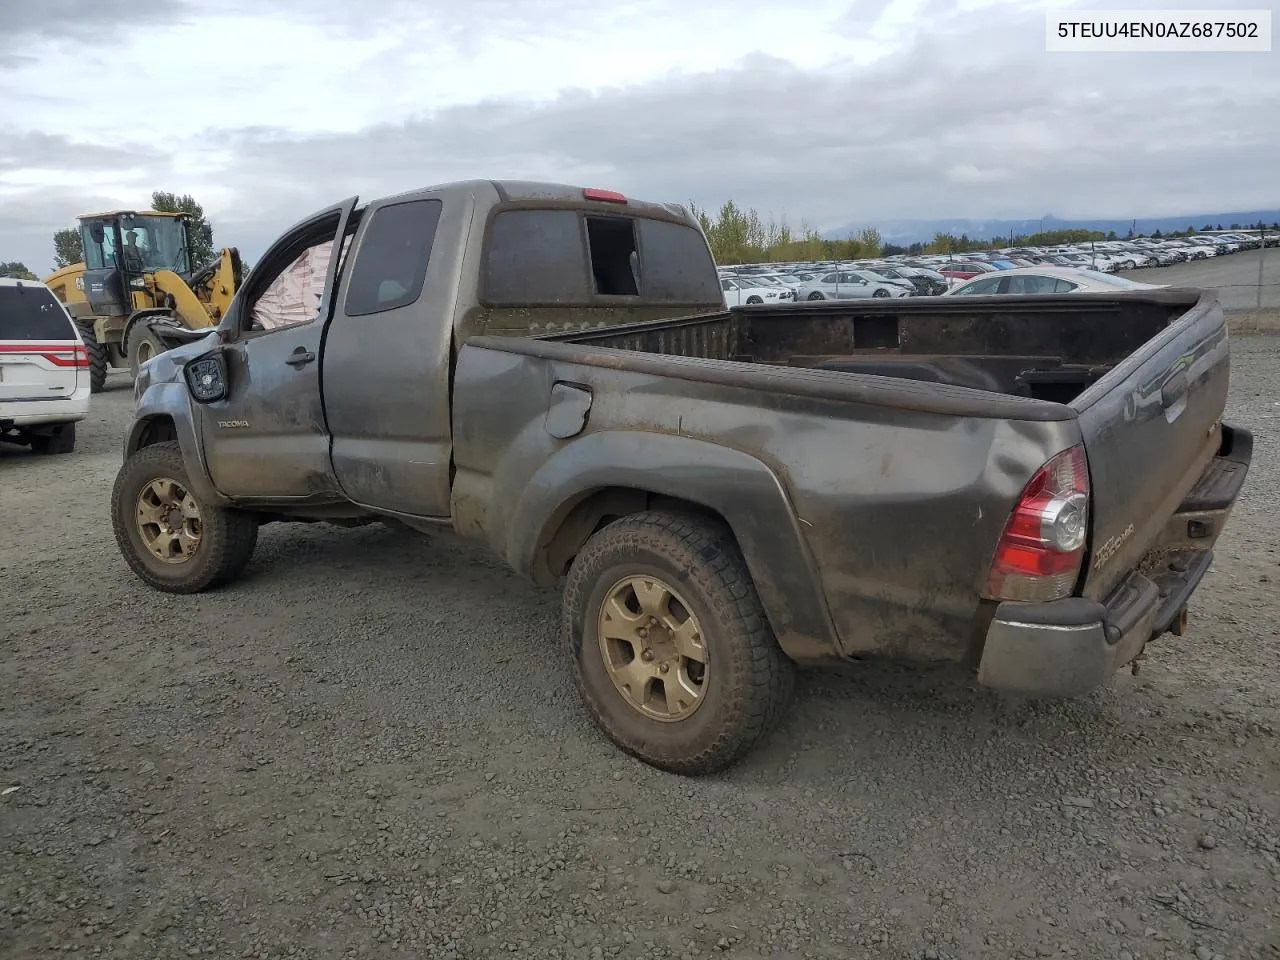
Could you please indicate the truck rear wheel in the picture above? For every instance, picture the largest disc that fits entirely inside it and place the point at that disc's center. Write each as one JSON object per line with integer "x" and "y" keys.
{"x": 169, "y": 538}
{"x": 673, "y": 656}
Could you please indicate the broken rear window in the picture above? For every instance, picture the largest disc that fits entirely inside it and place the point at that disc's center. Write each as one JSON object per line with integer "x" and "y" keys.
{"x": 561, "y": 257}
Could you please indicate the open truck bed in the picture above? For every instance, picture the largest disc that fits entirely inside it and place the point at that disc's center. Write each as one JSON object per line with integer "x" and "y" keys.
{"x": 901, "y": 436}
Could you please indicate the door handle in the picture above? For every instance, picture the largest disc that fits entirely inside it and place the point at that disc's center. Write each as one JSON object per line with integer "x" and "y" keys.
{"x": 300, "y": 357}
{"x": 1174, "y": 389}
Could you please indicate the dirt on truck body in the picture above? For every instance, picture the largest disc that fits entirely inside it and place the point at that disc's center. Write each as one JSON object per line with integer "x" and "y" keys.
{"x": 1030, "y": 486}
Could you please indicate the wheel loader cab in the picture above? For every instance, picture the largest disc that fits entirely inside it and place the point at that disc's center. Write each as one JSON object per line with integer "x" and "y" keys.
{"x": 120, "y": 248}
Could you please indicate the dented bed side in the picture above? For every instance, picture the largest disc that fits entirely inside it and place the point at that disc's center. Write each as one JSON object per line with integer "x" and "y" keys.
{"x": 866, "y": 507}
{"x": 869, "y": 506}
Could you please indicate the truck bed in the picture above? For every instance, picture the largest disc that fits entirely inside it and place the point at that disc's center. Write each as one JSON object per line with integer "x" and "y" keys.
{"x": 894, "y": 439}
{"x": 1042, "y": 348}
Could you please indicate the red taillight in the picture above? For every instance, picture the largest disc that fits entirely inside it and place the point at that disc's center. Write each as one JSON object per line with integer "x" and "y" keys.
{"x": 75, "y": 357}
{"x": 607, "y": 196}
{"x": 58, "y": 354}
{"x": 1038, "y": 557}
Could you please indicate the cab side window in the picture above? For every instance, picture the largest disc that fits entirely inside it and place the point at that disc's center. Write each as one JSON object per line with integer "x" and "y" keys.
{"x": 391, "y": 264}
{"x": 98, "y": 256}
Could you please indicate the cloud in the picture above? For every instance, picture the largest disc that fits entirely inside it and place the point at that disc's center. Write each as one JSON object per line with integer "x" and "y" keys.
{"x": 957, "y": 111}
{"x": 55, "y": 151}
{"x": 29, "y": 28}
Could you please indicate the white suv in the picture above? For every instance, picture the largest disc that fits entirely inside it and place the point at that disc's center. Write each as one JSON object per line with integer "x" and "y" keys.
{"x": 44, "y": 369}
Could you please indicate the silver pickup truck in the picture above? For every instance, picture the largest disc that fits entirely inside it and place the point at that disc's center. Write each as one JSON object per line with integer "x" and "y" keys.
{"x": 1030, "y": 487}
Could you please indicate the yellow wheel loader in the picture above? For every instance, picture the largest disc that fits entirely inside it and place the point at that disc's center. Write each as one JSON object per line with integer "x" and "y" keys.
{"x": 137, "y": 276}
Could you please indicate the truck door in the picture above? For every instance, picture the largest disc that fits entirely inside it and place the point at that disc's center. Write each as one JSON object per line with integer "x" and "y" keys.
{"x": 267, "y": 438}
{"x": 387, "y": 356}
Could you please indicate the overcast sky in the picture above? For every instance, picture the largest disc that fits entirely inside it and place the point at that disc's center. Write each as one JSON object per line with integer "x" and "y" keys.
{"x": 832, "y": 112}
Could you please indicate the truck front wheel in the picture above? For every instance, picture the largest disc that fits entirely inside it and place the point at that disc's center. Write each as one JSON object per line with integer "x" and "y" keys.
{"x": 169, "y": 538}
{"x": 673, "y": 656}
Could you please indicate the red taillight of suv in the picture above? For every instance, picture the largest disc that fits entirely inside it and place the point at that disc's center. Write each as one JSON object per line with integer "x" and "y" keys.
{"x": 58, "y": 354}
{"x": 1039, "y": 555}
{"x": 74, "y": 357}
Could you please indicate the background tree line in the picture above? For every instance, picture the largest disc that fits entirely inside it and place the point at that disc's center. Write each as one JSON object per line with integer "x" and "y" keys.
{"x": 16, "y": 269}
{"x": 738, "y": 235}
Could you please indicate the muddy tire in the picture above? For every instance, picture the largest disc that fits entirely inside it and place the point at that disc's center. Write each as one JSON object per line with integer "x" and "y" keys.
{"x": 672, "y": 654}
{"x": 171, "y": 540}
{"x": 62, "y": 440}
{"x": 141, "y": 346}
{"x": 98, "y": 361}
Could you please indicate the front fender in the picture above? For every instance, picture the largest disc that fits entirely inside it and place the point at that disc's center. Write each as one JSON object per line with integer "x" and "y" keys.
{"x": 737, "y": 486}
{"x": 161, "y": 396}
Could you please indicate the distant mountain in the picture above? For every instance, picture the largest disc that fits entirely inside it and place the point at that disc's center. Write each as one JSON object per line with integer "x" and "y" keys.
{"x": 904, "y": 232}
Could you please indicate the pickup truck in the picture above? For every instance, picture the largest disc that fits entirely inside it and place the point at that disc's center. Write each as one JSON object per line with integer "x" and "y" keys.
{"x": 1029, "y": 487}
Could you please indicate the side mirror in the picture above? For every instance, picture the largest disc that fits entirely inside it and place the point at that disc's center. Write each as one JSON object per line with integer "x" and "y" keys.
{"x": 206, "y": 377}
{"x": 96, "y": 233}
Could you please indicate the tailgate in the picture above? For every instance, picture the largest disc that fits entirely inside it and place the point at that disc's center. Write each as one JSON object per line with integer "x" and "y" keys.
{"x": 1150, "y": 428}
{"x": 37, "y": 371}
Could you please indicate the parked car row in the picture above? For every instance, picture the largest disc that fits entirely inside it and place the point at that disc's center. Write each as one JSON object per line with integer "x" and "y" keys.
{"x": 1086, "y": 266}
{"x": 834, "y": 282}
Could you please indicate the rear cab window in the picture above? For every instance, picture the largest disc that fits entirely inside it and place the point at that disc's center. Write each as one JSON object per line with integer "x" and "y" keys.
{"x": 566, "y": 257}
{"x": 29, "y": 312}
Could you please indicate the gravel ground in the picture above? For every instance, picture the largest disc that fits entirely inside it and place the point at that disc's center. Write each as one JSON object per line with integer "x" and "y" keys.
{"x": 368, "y": 748}
{"x": 1235, "y": 276}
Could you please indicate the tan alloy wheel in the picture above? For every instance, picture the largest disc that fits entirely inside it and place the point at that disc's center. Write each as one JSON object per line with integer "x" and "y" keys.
{"x": 168, "y": 520}
{"x": 653, "y": 647}
{"x": 145, "y": 352}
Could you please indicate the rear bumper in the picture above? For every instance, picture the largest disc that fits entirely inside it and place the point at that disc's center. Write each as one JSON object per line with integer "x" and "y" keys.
{"x": 1070, "y": 647}
{"x": 30, "y": 413}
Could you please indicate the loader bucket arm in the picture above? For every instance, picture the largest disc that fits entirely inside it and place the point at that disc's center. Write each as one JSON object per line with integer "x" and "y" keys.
{"x": 186, "y": 305}
{"x": 217, "y": 281}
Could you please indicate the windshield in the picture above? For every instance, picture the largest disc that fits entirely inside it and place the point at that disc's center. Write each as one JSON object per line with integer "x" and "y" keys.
{"x": 154, "y": 243}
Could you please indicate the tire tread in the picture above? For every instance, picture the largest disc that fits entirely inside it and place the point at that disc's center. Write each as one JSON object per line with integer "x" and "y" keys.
{"x": 97, "y": 360}
{"x": 234, "y": 533}
{"x": 761, "y": 689}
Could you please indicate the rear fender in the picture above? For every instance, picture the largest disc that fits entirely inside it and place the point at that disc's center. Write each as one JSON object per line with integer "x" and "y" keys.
{"x": 736, "y": 486}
